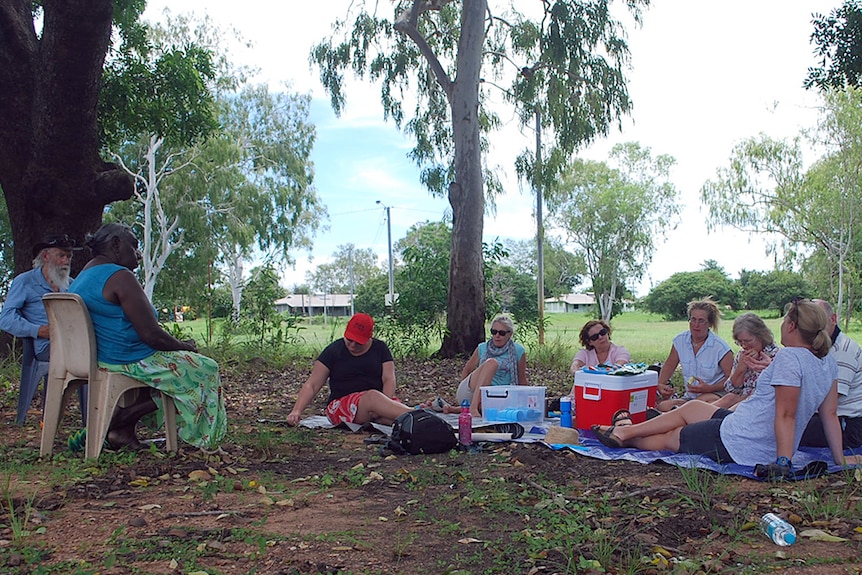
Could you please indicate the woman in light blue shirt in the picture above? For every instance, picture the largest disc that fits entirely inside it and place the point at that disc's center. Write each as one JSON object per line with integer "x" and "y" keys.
{"x": 705, "y": 359}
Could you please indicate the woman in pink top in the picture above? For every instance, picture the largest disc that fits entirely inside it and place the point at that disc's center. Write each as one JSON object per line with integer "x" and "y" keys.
{"x": 596, "y": 338}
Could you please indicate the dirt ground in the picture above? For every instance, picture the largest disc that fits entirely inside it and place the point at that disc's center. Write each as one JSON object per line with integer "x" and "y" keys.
{"x": 278, "y": 501}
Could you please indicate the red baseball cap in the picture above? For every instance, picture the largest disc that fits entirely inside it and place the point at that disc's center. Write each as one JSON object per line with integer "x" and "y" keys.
{"x": 359, "y": 328}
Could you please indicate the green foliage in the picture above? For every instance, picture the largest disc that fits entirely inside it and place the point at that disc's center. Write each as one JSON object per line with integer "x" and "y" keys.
{"x": 838, "y": 37}
{"x": 670, "y": 297}
{"x": 815, "y": 213}
{"x": 616, "y": 216}
{"x": 511, "y": 292}
{"x": 157, "y": 87}
{"x": 563, "y": 269}
{"x": 771, "y": 290}
{"x": 370, "y": 296}
{"x": 349, "y": 267}
{"x": 423, "y": 282}
{"x": 259, "y": 315}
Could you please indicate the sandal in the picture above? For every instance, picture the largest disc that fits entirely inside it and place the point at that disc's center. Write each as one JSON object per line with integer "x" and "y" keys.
{"x": 606, "y": 436}
{"x": 439, "y": 405}
{"x": 620, "y": 416}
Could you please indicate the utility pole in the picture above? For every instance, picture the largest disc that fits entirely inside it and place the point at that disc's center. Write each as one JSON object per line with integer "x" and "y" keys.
{"x": 389, "y": 236}
{"x": 350, "y": 258}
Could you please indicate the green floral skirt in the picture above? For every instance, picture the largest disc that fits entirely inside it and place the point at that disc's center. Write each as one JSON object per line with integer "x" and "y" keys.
{"x": 193, "y": 381}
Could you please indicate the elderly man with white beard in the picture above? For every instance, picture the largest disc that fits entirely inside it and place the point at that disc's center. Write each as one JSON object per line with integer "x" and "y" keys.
{"x": 23, "y": 312}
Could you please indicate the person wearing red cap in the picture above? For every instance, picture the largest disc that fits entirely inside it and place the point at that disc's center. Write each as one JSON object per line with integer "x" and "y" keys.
{"x": 361, "y": 375}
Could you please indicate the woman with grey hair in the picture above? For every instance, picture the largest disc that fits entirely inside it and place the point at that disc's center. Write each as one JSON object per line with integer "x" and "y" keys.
{"x": 501, "y": 361}
{"x": 758, "y": 348}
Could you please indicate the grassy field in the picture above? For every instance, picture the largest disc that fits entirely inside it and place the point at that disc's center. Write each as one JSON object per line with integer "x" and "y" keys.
{"x": 647, "y": 336}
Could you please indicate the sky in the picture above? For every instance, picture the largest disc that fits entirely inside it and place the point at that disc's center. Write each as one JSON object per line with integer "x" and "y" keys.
{"x": 705, "y": 75}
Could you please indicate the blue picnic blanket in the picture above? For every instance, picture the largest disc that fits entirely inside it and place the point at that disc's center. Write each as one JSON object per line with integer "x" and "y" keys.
{"x": 590, "y": 447}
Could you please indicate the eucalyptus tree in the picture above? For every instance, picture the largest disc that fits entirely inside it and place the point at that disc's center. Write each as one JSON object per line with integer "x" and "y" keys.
{"x": 350, "y": 267}
{"x": 563, "y": 60}
{"x": 765, "y": 188}
{"x": 616, "y": 215}
{"x": 252, "y": 185}
{"x": 158, "y": 103}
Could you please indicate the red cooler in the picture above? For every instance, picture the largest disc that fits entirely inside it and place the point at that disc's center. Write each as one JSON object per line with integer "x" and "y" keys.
{"x": 599, "y": 396}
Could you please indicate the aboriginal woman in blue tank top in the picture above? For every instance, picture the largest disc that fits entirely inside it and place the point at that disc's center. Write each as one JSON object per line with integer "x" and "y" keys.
{"x": 129, "y": 340}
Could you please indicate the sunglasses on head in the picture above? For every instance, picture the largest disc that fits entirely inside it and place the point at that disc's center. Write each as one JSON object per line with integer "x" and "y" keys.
{"x": 793, "y": 306}
{"x": 499, "y": 331}
{"x": 600, "y": 333}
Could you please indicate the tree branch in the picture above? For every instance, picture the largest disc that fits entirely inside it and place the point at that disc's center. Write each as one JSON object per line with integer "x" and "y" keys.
{"x": 406, "y": 23}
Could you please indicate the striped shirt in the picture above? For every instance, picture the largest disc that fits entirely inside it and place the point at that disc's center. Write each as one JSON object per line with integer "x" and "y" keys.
{"x": 848, "y": 356}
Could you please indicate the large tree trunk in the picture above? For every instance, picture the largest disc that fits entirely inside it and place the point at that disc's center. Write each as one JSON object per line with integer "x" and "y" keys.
{"x": 51, "y": 173}
{"x": 466, "y": 303}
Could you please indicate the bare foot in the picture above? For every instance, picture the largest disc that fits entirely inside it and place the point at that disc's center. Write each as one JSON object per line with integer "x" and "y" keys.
{"x": 124, "y": 438}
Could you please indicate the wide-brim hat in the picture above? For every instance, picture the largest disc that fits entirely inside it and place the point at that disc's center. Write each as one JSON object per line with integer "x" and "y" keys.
{"x": 61, "y": 241}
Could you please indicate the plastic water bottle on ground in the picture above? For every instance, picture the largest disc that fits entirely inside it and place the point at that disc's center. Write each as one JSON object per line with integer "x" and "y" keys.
{"x": 565, "y": 411}
{"x": 780, "y": 531}
{"x": 465, "y": 424}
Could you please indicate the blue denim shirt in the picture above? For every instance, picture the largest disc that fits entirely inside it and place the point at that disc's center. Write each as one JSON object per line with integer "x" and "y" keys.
{"x": 23, "y": 311}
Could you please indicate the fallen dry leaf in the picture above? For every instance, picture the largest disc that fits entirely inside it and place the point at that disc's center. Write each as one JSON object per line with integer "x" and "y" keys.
{"x": 820, "y": 535}
{"x": 199, "y": 475}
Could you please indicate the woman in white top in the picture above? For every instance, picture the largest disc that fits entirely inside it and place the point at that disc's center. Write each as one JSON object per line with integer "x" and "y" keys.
{"x": 705, "y": 358}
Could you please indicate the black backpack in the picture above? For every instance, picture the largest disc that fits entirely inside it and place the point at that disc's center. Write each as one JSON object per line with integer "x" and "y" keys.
{"x": 418, "y": 432}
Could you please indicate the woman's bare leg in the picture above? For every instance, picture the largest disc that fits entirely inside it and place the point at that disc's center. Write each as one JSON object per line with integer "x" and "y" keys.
{"x": 690, "y": 412}
{"x": 728, "y": 401}
{"x": 481, "y": 377}
{"x": 375, "y": 406}
{"x": 121, "y": 431}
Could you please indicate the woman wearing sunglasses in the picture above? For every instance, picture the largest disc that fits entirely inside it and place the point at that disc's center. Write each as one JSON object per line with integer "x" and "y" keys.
{"x": 768, "y": 425}
{"x": 598, "y": 349}
{"x": 705, "y": 358}
{"x": 500, "y": 361}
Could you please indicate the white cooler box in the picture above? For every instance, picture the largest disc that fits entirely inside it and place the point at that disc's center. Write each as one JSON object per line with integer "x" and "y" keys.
{"x": 513, "y": 403}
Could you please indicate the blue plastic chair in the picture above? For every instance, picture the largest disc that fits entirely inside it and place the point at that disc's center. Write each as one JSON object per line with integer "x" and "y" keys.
{"x": 32, "y": 372}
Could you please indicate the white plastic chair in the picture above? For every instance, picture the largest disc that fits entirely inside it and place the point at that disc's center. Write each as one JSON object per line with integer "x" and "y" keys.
{"x": 73, "y": 363}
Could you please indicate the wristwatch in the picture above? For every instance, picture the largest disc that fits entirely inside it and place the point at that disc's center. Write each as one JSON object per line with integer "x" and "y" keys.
{"x": 784, "y": 461}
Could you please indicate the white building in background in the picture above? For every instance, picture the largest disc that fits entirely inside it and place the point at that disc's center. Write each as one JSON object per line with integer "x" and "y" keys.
{"x": 331, "y": 305}
{"x": 570, "y": 303}
{"x": 577, "y": 303}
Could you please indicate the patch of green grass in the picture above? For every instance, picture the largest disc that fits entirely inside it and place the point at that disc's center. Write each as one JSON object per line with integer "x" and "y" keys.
{"x": 837, "y": 496}
{"x": 705, "y": 488}
{"x": 18, "y": 512}
{"x": 192, "y": 548}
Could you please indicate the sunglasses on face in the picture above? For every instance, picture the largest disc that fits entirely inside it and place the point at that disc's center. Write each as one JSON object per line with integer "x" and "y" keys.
{"x": 499, "y": 331}
{"x": 597, "y": 335}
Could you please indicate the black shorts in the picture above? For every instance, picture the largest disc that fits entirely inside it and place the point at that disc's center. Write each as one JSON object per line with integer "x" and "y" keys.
{"x": 704, "y": 438}
{"x": 851, "y": 433}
